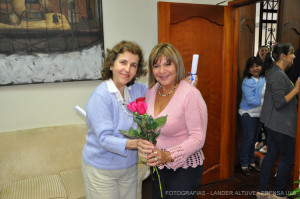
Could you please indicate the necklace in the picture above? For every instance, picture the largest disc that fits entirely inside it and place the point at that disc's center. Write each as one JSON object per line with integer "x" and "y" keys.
{"x": 124, "y": 107}
{"x": 167, "y": 93}
{"x": 124, "y": 102}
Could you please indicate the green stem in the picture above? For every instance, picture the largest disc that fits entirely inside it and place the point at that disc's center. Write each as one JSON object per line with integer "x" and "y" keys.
{"x": 158, "y": 176}
{"x": 147, "y": 135}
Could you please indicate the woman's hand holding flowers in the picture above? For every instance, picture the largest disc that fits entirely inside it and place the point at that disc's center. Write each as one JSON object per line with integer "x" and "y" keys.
{"x": 145, "y": 147}
{"x": 158, "y": 157}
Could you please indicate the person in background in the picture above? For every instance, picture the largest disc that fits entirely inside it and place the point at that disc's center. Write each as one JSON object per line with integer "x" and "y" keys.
{"x": 253, "y": 88}
{"x": 109, "y": 159}
{"x": 178, "y": 152}
{"x": 261, "y": 144}
{"x": 279, "y": 115}
{"x": 262, "y": 52}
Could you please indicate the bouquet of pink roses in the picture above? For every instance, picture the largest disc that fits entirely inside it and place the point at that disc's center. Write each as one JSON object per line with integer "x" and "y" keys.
{"x": 147, "y": 126}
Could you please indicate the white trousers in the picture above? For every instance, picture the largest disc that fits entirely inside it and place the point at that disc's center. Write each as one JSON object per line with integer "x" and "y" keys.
{"x": 109, "y": 184}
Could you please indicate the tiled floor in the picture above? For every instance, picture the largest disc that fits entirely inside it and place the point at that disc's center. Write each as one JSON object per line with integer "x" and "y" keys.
{"x": 237, "y": 187}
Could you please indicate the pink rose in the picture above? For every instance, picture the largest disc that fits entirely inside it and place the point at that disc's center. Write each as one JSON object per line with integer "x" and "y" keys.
{"x": 140, "y": 99}
{"x": 132, "y": 106}
{"x": 141, "y": 107}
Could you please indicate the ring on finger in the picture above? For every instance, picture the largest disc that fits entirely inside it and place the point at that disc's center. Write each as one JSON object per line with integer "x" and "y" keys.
{"x": 155, "y": 152}
{"x": 155, "y": 159}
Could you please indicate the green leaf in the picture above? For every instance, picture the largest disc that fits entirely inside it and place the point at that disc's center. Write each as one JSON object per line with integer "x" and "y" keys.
{"x": 143, "y": 121}
{"x": 157, "y": 134}
{"x": 143, "y": 134}
{"x": 131, "y": 133}
{"x": 160, "y": 121}
{"x": 149, "y": 122}
{"x": 137, "y": 132}
{"x": 144, "y": 137}
{"x": 151, "y": 139}
{"x": 153, "y": 136}
{"x": 296, "y": 192}
{"x": 138, "y": 119}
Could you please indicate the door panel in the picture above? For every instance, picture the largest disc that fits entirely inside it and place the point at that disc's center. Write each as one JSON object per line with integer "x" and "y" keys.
{"x": 188, "y": 37}
{"x": 288, "y": 22}
{"x": 246, "y": 35}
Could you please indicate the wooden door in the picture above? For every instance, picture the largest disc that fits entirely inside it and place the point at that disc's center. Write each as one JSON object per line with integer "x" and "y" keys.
{"x": 288, "y": 22}
{"x": 246, "y": 35}
{"x": 207, "y": 30}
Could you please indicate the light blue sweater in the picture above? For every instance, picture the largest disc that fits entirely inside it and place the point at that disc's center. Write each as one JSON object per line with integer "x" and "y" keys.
{"x": 105, "y": 145}
{"x": 251, "y": 89}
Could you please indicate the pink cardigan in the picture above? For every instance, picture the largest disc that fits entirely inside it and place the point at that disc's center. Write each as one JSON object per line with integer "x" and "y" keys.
{"x": 184, "y": 133}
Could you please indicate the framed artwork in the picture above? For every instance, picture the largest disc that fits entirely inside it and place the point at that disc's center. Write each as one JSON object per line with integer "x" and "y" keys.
{"x": 50, "y": 41}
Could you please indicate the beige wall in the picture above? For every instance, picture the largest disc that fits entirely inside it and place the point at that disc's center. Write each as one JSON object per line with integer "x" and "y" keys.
{"x": 50, "y": 104}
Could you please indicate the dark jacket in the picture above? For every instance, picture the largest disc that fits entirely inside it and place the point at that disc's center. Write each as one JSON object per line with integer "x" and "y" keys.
{"x": 276, "y": 113}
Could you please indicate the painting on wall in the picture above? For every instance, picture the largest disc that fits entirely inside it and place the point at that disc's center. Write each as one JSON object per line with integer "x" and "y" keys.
{"x": 50, "y": 41}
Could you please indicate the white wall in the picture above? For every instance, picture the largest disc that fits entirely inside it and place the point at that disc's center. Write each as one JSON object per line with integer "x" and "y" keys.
{"x": 49, "y": 104}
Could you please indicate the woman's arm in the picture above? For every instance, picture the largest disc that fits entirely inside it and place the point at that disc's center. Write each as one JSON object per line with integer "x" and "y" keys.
{"x": 100, "y": 119}
{"x": 278, "y": 85}
{"x": 293, "y": 92}
{"x": 252, "y": 91}
{"x": 132, "y": 144}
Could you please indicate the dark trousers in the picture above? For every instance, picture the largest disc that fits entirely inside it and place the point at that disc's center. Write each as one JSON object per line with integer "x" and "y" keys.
{"x": 251, "y": 127}
{"x": 179, "y": 184}
{"x": 260, "y": 135}
{"x": 283, "y": 145}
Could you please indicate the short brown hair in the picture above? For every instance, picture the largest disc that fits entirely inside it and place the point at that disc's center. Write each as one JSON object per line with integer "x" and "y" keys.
{"x": 172, "y": 55}
{"x": 119, "y": 48}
